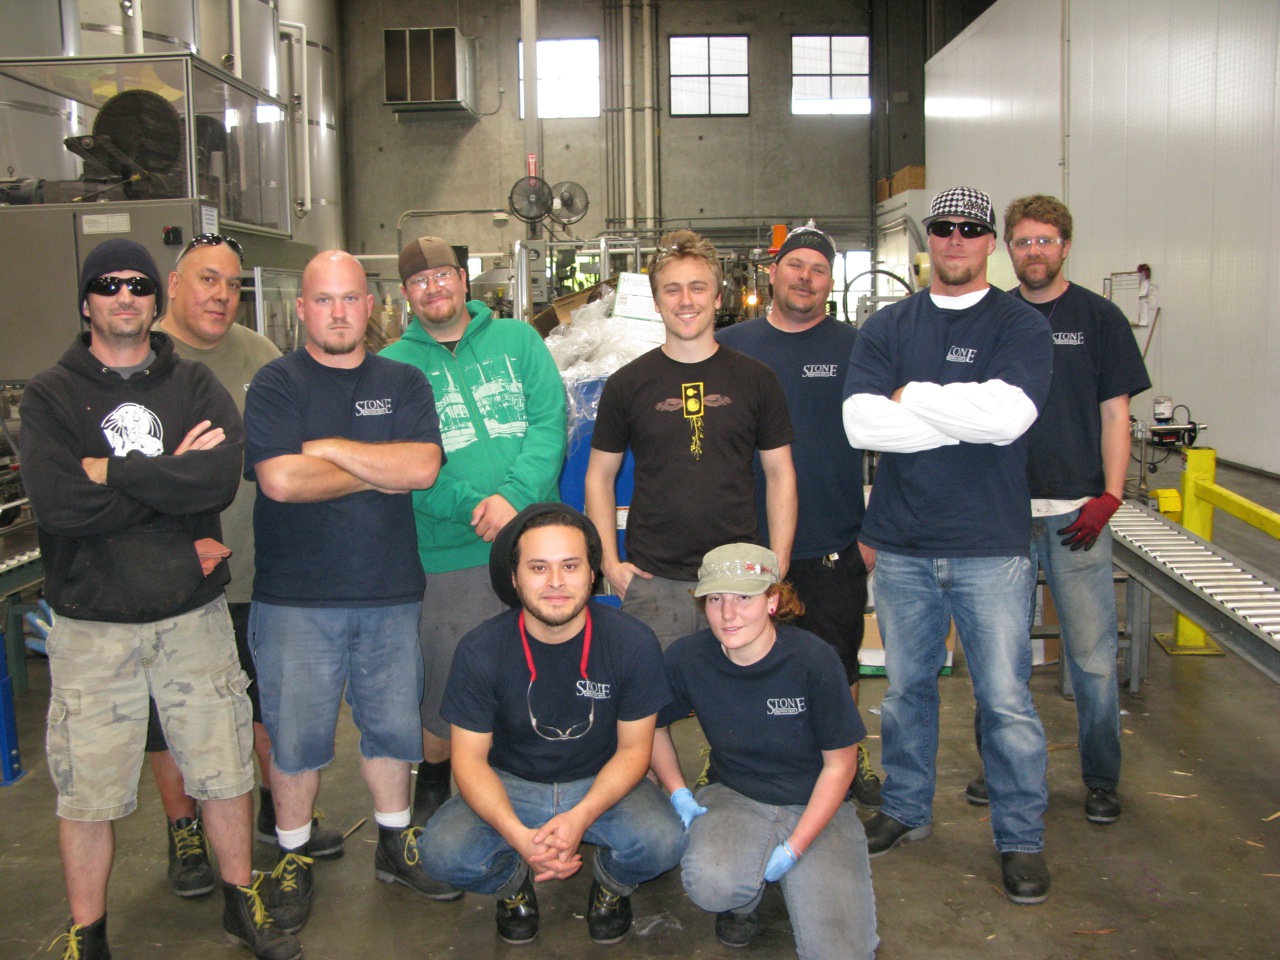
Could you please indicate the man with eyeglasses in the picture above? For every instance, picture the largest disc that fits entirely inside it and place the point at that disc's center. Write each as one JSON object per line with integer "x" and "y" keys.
{"x": 130, "y": 454}
{"x": 809, "y": 352}
{"x": 946, "y": 384}
{"x": 1078, "y": 455}
{"x": 502, "y": 418}
{"x": 336, "y": 439}
{"x": 553, "y": 706}
{"x": 203, "y": 305}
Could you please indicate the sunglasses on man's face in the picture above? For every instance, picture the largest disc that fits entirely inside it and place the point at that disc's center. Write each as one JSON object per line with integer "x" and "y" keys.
{"x": 109, "y": 286}
{"x": 968, "y": 229}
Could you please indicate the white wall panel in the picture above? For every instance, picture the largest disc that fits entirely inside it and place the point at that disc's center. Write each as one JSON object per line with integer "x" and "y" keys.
{"x": 993, "y": 109}
{"x": 1172, "y": 125}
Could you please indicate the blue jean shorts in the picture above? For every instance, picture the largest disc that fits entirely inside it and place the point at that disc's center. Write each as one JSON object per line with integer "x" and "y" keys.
{"x": 305, "y": 656}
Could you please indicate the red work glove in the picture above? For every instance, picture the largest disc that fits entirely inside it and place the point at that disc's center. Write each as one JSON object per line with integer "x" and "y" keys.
{"x": 1093, "y": 517}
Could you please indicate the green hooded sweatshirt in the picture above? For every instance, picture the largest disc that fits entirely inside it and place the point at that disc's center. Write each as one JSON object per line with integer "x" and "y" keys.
{"x": 502, "y": 416}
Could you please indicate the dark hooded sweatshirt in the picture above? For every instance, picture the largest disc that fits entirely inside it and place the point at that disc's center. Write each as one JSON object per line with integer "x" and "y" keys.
{"x": 124, "y": 551}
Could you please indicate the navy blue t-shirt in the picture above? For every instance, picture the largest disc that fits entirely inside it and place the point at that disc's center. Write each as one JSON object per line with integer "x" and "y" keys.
{"x": 489, "y": 691}
{"x": 966, "y": 499}
{"x": 357, "y": 550}
{"x": 1095, "y": 358}
{"x": 811, "y": 366}
{"x": 767, "y": 722}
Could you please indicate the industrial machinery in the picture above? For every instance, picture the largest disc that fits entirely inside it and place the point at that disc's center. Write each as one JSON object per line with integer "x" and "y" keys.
{"x": 157, "y": 149}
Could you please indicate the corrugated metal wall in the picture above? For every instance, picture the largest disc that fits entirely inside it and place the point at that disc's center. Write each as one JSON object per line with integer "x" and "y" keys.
{"x": 1171, "y": 125}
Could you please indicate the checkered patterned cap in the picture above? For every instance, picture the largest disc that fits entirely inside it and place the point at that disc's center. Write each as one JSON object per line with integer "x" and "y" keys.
{"x": 964, "y": 203}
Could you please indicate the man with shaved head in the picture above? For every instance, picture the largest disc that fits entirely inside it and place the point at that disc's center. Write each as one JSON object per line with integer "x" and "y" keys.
{"x": 337, "y": 439}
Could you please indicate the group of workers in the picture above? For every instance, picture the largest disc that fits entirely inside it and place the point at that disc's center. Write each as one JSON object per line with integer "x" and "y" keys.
{"x": 235, "y": 540}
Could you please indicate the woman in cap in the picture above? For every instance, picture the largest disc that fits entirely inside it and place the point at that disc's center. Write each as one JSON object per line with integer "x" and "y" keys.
{"x": 783, "y": 731}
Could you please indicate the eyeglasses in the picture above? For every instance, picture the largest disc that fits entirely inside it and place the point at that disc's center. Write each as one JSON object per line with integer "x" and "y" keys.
{"x": 968, "y": 229}
{"x": 441, "y": 278}
{"x": 546, "y": 731}
{"x": 213, "y": 240}
{"x": 109, "y": 286}
{"x": 1026, "y": 243}
{"x": 737, "y": 570}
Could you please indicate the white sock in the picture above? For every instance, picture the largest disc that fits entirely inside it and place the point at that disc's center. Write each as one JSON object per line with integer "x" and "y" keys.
{"x": 293, "y": 839}
{"x": 393, "y": 821}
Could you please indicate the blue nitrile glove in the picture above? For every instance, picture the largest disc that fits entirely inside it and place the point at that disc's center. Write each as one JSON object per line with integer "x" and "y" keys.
{"x": 686, "y": 806}
{"x": 781, "y": 860}
{"x": 40, "y": 625}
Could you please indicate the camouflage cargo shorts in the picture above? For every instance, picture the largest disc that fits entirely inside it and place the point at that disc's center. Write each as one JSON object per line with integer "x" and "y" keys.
{"x": 102, "y": 677}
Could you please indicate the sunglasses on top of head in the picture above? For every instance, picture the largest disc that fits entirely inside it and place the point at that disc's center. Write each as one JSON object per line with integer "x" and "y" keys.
{"x": 212, "y": 240}
{"x": 109, "y": 286}
{"x": 968, "y": 229}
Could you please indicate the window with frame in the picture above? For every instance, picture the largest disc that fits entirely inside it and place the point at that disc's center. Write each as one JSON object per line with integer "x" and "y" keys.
{"x": 830, "y": 75}
{"x": 709, "y": 77}
{"x": 568, "y": 78}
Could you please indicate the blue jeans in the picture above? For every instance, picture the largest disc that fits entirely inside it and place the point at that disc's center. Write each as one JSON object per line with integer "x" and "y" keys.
{"x": 1085, "y": 596}
{"x": 828, "y": 893}
{"x": 305, "y": 656}
{"x": 639, "y": 837}
{"x": 987, "y": 597}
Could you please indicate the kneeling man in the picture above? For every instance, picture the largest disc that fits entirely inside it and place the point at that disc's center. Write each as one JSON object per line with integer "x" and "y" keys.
{"x": 552, "y": 707}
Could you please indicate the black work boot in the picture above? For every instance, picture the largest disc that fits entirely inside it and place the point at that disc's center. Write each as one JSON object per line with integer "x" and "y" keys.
{"x": 866, "y": 782}
{"x": 190, "y": 872}
{"x": 85, "y": 941}
{"x": 517, "y": 916}
{"x": 246, "y": 921}
{"x": 396, "y": 861}
{"x": 608, "y": 914}
{"x": 430, "y": 790}
{"x": 287, "y": 890}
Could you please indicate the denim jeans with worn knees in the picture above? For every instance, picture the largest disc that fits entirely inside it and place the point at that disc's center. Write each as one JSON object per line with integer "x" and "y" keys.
{"x": 828, "y": 893}
{"x": 1084, "y": 594}
{"x": 916, "y": 597}
{"x": 638, "y": 838}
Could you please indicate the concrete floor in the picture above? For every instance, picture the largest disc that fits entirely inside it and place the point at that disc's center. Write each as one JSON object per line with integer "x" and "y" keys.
{"x": 1191, "y": 870}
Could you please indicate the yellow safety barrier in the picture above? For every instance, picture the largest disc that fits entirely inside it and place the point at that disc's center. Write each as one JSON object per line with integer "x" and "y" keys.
{"x": 1200, "y": 495}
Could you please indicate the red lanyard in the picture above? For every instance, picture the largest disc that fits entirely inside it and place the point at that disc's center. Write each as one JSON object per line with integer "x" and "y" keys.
{"x": 528, "y": 654}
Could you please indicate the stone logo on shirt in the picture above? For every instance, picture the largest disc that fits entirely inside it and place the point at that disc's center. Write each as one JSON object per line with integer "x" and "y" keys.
{"x": 962, "y": 354}
{"x": 373, "y": 408}
{"x": 693, "y": 402}
{"x": 131, "y": 426}
{"x": 596, "y": 691}
{"x": 1069, "y": 339}
{"x": 785, "y": 706}
{"x": 821, "y": 370}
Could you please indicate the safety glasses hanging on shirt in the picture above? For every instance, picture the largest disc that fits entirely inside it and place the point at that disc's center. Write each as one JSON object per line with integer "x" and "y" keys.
{"x": 546, "y": 731}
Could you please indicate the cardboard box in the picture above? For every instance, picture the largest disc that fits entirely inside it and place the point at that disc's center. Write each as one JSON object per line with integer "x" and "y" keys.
{"x": 908, "y": 178}
{"x": 871, "y": 656}
{"x": 561, "y": 310}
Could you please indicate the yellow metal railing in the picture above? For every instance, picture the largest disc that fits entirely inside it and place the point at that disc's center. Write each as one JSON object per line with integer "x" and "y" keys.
{"x": 1200, "y": 496}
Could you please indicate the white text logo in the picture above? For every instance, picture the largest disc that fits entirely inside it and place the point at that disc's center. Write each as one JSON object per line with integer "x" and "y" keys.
{"x": 821, "y": 369}
{"x": 785, "y": 706}
{"x": 962, "y": 354}
{"x": 373, "y": 408}
{"x": 596, "y": 691}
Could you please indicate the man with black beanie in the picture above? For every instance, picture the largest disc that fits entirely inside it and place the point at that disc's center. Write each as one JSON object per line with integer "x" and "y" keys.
{"x": 129, "y": 454}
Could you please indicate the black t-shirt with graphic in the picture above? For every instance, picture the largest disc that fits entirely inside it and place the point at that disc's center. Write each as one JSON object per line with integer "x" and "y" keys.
{"x": 694, "y": 429}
